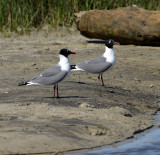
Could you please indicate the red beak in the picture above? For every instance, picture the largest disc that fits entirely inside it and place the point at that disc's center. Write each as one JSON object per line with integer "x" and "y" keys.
{"x": 73, "y": 53}
{"x": 116, "y": 43}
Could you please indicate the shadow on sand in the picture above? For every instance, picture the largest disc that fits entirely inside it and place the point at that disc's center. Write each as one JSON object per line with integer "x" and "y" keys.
{"x": 62, "y": 97}
{"x": 96, "y": 41}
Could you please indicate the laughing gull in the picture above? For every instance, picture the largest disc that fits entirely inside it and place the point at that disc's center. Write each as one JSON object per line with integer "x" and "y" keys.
{"x": 99, "y": 64}
{"x": 54, "y": 74}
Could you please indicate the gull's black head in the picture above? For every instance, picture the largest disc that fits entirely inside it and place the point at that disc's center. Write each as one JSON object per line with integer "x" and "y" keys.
{"x": 109, "y": 43}
{"x": 65, "y": 52}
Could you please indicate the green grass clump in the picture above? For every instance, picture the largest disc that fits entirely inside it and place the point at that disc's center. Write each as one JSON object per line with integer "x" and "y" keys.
{"x": 23, "y": 15}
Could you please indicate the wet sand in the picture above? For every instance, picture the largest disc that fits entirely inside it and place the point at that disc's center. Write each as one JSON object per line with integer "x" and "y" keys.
{"x": 145, "y": 143}
{"x": 87, "y": 115}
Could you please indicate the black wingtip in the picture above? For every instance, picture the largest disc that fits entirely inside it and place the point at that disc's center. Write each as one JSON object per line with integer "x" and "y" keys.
{"x": 73, "y": 67}
{"x": 22, "y": 83}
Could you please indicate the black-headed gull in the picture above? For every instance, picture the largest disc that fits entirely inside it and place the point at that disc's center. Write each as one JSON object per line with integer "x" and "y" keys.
{"x": 99, "y": 64}
{"x": 54, "y": 74}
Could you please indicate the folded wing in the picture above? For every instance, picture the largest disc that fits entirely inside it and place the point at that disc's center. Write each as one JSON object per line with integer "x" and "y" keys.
{"x": 95, "y": 66}
{"x": 50, "y": 76}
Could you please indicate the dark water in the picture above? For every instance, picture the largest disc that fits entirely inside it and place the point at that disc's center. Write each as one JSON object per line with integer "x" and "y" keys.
{"x": 148, "y": 144}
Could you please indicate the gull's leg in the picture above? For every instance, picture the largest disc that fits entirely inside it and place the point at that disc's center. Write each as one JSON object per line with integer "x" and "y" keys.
{"x": 99, "y": 77}
{"x": 57, "y": 92}
{"x": 102, "y": 80}
{"x": 54, "y": 90}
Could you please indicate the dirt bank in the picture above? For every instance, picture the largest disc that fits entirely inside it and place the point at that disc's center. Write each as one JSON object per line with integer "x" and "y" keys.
{"x": 87, "y": 115}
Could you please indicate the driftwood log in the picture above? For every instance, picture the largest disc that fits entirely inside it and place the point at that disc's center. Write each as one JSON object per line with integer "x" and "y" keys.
{"x": 131, "y": 25}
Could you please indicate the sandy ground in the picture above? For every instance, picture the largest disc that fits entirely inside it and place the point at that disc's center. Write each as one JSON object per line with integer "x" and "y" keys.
{"x": 87, "y": 115}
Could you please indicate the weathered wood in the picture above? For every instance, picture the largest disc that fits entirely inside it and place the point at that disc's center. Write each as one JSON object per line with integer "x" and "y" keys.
{"x": 131, "y": 25}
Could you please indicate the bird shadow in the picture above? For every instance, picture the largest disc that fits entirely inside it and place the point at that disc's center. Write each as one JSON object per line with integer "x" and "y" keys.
{"x": 61, "y": 97}
{"x": 78, "y": 82}
{"x": 96, "y": 41}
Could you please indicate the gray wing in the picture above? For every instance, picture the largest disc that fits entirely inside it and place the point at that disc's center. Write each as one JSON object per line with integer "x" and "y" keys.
{"x": 51, "y": 71}
{"x": 95, "y": 66}
{"x": 49, "y": 80}
{"x": 100, "y": 59}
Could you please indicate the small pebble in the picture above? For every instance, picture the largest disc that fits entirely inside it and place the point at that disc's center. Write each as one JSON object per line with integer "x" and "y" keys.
{"x": 111, "y": 91}
{"x": 34, "y": 64}
{"x": 158, "y": 126}
{"x": 138, "y": 80}
{"x": 114, "y": 146}
{"x": 151, "y": 85}
{"x": 84, "y": 105}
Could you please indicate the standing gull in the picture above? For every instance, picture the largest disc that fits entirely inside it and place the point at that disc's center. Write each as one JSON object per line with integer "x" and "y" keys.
{"x": 99, "y": 64}
{"x": 54, "y": 74}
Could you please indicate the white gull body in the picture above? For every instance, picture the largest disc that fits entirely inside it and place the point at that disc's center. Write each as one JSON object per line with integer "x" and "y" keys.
{"x": 99, "y": 64}
{"x": 54, "y": 74}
